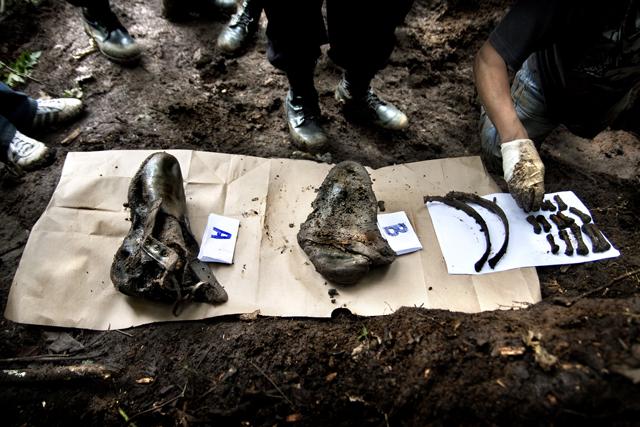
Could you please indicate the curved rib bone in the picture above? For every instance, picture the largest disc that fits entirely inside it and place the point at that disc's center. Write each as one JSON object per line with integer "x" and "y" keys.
{"x": 457, "y": 204}
{"x": 491, "y": 207}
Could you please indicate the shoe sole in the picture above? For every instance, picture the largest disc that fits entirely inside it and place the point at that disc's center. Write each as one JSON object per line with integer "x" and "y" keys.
{"x": 44, "y": 161}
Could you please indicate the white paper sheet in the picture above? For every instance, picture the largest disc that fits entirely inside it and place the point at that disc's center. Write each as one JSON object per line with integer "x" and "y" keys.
{"x": 398, "y": 232}
{"x": 219, "y": 239}
{"x": 462, "y": 243}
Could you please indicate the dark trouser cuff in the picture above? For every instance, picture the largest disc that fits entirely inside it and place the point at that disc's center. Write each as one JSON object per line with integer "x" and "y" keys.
{"x": 7, "y": 132}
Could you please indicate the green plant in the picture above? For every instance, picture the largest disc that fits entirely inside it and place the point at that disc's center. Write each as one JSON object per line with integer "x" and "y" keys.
{"x": 18, "y": 71}
{"x": 364, "y": 334}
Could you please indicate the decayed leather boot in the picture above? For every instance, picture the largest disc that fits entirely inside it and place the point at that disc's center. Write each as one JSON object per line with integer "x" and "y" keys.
{"x": 158, "y": 258}
{"x": 341, "y": 236}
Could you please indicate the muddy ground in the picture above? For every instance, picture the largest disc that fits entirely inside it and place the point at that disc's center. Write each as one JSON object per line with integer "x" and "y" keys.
{"x": 413, "y": 367}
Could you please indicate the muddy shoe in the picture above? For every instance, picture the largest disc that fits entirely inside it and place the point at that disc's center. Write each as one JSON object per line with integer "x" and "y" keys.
{"x": 341, "y": 236}
{"x": 158, "y": 258}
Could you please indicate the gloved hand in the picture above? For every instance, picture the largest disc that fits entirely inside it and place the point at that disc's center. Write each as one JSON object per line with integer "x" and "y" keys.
{"x": 524, "y": 173}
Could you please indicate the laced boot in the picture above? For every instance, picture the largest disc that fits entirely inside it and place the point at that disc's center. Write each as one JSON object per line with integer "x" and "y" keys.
{"x": 241, "y": 29}
{"x": 361, "y": 103}
{"x": 111, "y": 37}
{"x": 158, "y": 258}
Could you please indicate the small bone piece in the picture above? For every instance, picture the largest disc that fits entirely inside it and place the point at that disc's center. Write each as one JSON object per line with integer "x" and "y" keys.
{"x": 582, "y": 248}
{"x": 552, "y": 243}
{"x": 598, "y": 242}
{"x": 548, "y": 206}
{"x": 544, "y": 223}
{"x": 536, "y": 227}
{"x": 583, "y": 216}
{"x": 561, "y": 204}
{"x": 567, "y": 241}
{"x": 568, "y": 221}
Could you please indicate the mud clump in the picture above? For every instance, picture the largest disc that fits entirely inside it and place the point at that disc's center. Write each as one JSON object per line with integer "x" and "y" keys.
{"x": 341, "y": 236}
{"x": 158, "y": 258}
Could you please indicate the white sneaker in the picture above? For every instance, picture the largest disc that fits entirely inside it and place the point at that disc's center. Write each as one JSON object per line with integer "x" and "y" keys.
{"x": 51, "y": 111}
{"x": 26, "y": 153}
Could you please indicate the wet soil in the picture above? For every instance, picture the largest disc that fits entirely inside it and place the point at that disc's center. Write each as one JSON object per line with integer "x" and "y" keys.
{"x": 554, "y": 362}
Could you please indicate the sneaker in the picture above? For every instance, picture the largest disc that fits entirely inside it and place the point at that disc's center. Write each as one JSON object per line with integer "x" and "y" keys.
{"x": 303, "y": 118}
{"x": 370, "y": 108}
{"x": 240, "y": 30}
{"x": 26, "y": 153}
{"x": 52, "y": 111}
{"x": 111, "y": 37}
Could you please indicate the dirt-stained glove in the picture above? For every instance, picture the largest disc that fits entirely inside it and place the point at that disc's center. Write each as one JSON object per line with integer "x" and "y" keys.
{"x": 524, "y": 173}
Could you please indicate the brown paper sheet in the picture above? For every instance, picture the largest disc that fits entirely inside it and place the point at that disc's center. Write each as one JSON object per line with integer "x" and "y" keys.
{"x": 63, "y": 276}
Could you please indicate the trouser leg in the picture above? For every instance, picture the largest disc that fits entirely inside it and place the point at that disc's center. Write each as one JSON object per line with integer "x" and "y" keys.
{"x": 94, "y": 5}
{"x": 625, "y": 115}
{"x": 362, "y": 34}
{"x": 16, "y": 107}
{"x": 531, "y": 108}
{"x": 295, "y": 32}
{"x": 7, "y": 132}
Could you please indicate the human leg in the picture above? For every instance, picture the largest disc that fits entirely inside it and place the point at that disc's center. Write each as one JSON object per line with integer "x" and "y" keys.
{"x": 362, "y": 38}
{"x": 16, "y": 107}
{"x": 295, "y": 32}
{"x": 531, "y": 108}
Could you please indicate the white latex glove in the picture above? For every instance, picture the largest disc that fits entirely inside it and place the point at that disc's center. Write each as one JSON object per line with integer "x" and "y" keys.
{"x": 524, "y": 173}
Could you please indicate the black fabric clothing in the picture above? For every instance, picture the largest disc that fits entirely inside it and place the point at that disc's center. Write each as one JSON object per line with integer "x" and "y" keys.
{"x": 93, "y": 5}
{"x": 17, "y": 110}
{"x": 360, "y": 33}
{"x": 587, "y": 54}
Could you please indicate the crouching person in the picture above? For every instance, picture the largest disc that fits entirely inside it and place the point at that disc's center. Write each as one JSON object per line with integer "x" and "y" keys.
{"x": 577, "y": 63}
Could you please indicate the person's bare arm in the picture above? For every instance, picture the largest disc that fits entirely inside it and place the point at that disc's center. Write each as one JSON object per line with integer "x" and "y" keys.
{"x": 492, "y": 83}
{"x": 521, "y": 164}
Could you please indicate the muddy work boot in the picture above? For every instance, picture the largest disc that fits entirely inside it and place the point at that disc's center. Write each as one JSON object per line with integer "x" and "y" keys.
{"x": 158, "y": 258}
{"x": 303, "y": 118}
{"x": 111, "y": 37}
{"x": 364, "y": 105}
{"x": 341, "y": 236}
{"x": 241, "y": 29}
